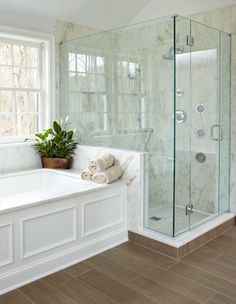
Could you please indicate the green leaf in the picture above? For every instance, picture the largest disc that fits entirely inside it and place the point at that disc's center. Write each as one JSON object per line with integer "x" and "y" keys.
{"x": 60, "y": 144}
{"x": 56, "y": 127}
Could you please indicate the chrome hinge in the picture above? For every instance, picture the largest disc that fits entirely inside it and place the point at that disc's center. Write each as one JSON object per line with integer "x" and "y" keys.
{"x": 190, "y": 40}
{"x": 189, "y": 209}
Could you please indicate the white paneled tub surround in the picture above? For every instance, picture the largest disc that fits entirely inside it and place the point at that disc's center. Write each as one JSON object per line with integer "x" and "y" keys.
{"x": 52, "y": 219}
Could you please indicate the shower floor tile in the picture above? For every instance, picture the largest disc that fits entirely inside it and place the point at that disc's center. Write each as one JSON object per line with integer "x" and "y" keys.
{"x": 164, "y": 224}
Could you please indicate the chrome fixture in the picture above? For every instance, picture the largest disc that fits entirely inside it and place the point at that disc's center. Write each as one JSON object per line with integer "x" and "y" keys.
{"x": 170, "y": 55}
{"x": 134, "y": 74}
{"x": 179, "y": 92}
{"x": 181, "y": 116}
{"x": 217, "y": 132}
{"x": 201, "y": 133}
{"x": 200, "y": 157}
{"x": 201, "y": 108}
{"x": 189, "y": 209}
{"x": 155, "y": 218}
{"x": 190, "y": 40}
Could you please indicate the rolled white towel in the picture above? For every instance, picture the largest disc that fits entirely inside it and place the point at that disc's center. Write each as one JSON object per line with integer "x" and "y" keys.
{"x": 108, "y": 176}
{"x": 86, "y": 174}
{"x": 101, "y": 163}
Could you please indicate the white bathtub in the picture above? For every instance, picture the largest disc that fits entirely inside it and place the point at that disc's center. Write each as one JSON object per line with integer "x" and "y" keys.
{"x": 26, "y": 188}
{"x": 52, "y": 219}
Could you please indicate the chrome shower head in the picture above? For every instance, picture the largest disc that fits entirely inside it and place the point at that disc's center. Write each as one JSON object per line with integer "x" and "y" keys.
{"x": 132, "y": 75}
{"x": 170, "y": 54}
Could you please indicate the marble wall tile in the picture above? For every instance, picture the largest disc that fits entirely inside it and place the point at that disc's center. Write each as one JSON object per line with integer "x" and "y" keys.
{"x": 132, "y": 164}
{"x": 18, "y": 157}
{"x": 225, "y": 20}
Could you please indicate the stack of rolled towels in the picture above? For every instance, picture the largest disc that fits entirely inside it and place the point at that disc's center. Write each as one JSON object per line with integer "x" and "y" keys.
{"x": 102, "y": 170}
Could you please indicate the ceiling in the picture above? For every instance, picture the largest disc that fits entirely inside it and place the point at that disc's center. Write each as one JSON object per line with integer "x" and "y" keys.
{"x": 106, "y": 14}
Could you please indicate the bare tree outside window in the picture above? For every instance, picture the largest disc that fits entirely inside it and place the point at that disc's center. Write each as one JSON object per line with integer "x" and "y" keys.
{"x": 19, "y": 88}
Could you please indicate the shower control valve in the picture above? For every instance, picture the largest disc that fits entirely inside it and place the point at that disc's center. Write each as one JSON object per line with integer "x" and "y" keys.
{"x": 189, "y": 209}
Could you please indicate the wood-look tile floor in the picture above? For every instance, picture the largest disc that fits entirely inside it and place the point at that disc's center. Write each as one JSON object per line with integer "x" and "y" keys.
{"x": 130, "y": 274}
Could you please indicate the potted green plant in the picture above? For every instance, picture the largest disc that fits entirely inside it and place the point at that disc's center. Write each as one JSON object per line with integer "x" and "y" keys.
{"x": 56, "y": 147}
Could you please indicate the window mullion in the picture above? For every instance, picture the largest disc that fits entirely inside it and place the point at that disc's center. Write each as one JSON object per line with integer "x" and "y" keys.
{"x": 41, "y": 94}
{"x": 14, "y": 94}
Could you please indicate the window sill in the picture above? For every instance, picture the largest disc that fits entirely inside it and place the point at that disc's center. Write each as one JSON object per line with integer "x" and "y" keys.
{"x": 15, "y": 143}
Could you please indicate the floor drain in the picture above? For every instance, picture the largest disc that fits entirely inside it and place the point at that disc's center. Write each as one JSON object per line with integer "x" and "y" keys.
{"x": 155, "y": 218}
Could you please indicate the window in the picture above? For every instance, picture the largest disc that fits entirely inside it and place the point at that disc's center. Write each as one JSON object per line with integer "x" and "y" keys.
{"x": 23, "y": 88}
{"x": 105, "y": 94}
{"x": 88, "y": 89}
{"x": 131, "y": 101}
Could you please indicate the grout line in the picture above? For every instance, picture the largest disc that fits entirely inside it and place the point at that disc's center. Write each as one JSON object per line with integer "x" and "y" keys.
{"x": 155, "y": 251}
{"x": 149, "y": 249}
{"x": 165, "y": 284}
{"x": 146, "y": 260}
{"x": 75, "y": 276}
{"x": 168, "y": 268}
{"x": 203, "y": 270}
{"x": 226, "y": 244}
{"x": 210, "y": 298}
{"x": 96, "y": 290}
{"x": 140, "y": 275}
{"x": 210, "y": 259}
{"x": 192, "y": 281}
{"x": 25, "y": 296}
{"x": 137, "y": 277}
{"x": 219, "y": 256}
{"x": 58, "y": 291}
{"x": 176, "y": 290}
{"x": 221, "y": 294}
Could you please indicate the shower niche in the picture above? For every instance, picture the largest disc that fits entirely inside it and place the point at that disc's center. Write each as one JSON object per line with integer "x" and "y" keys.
{"x": 158, "y": 87}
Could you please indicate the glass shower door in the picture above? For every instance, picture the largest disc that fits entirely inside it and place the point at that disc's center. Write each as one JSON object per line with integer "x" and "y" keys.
{"x": 198, "y": 128}
{"x": 206, "y": 127}
{"x": 182, "y": 117}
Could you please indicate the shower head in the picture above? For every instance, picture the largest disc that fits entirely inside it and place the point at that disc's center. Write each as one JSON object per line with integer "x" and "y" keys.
{"x": 132, "y": 75}
{"x": 170, "y": 54}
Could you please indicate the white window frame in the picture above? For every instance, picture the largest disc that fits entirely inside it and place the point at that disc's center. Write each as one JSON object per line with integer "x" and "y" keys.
{"x": 47, "y": 68}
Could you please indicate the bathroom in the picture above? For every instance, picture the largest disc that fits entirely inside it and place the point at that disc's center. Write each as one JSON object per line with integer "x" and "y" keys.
{"x": 147, "y": 90}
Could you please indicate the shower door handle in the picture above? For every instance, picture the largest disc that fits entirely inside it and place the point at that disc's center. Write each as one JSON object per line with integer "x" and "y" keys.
{"x": 220, "y": 135}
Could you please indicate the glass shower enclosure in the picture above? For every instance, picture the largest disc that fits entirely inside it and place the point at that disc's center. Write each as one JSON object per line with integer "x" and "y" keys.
{"x": 161, "y": 87}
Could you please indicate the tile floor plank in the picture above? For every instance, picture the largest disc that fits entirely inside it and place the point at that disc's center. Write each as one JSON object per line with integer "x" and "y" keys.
{"x": 113, "y": 289}
{"x": 226, "y": 273}
{"x": 75, "y": 290}
{"x": 162, "y": 294}
{"x": 112, "y": 269}
{"x": 220, "y": 299}
{"x": 214, "y": 249}
{"x": 162, "y": 276}
{"x": 227, "y": 240}
{"x": 14, "y": 297}
{"x": 231, "y": 232}
{"x": 146, "y": 254}
{"x": 227, "y": 261}
{"x": 205, "y": 278}
{"x": 42, "y": 293}
{"x": 77, "y": 269}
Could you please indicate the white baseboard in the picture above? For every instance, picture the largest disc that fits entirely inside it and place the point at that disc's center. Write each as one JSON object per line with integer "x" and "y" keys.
{"x": 63, "y": 259}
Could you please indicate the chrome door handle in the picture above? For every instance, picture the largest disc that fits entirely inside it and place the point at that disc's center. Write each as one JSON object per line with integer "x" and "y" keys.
{"x": 220, "y": 134}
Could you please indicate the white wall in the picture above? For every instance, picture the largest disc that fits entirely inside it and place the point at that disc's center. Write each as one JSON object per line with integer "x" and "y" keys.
{"x": 26, "y": 22}
{"x": 105, "y": 14}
